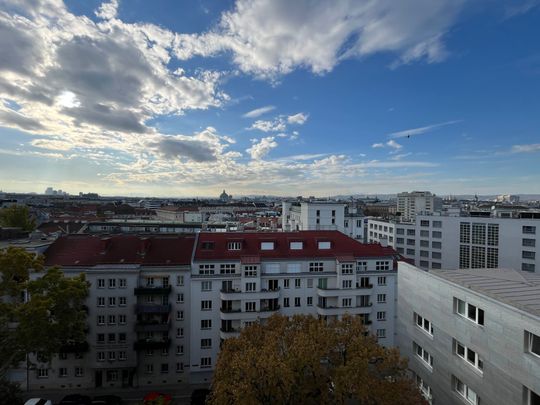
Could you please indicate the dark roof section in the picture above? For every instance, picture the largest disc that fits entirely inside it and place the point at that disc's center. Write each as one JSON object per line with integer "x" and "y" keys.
{"x": 340, "y": 246}
{"x": 91, "y": 250}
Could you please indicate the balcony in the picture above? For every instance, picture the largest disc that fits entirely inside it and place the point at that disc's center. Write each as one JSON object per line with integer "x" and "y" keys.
{"x": 152, "y": 327}
{"x": 329, "y": 311}
{"x": 238, "y": 314}
{"x": 225, "y": 333}
{"x": 152, "y": 308}
{"x": 75, "y": 347}
{"x": 338, "y": 292}
{"x": 236, "y": 294}
{"x": 148, "y": 344}
{"x": 149, "y": 290}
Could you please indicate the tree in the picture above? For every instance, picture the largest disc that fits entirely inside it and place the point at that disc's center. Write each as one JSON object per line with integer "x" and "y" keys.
{"x": 10, "y": 393}
{"x": 52, "y": 317}
{"x": 17, "y": 216}
{"x": 310, "y": 361}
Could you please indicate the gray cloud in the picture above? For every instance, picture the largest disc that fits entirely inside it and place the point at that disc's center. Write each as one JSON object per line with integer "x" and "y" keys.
{"x": 12, "y": 118}
{"x": 18, "y": 49}
{"x": 192, "y": 149}
{"x": 107, "y": 117}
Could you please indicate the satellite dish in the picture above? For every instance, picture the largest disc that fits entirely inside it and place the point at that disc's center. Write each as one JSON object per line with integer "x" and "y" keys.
{"x": 492, "y": 207}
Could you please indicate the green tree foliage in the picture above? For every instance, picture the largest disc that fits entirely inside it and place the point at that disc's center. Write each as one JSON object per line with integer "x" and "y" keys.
{"x": 10, "y": 393}
{"x": 305, "y": 360}
{"x": 50, "y": 319}
{"x": 17, "y": 216}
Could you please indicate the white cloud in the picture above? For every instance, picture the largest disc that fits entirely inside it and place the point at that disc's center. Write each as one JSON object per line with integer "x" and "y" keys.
{"x": 273, "y": 37}
{"x": 378, "y": 145}
{"x": 530, "y": 148}
{"x": 260, "y": 149}
{"x": 420, "y": 130}
{"x": 258, "y": 111}
{"x": 393, "y": 144}
{"x": 298, "y": 119}
{"x": 269, "y": 126}
{"x": 108, "y": 10}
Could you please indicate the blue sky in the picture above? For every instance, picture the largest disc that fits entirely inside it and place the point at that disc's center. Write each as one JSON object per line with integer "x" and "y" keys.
{"x": 171, "y": 98}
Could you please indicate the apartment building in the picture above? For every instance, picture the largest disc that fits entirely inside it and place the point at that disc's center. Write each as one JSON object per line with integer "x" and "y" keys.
{"x": 160, "y": 305}
{"x": 138, "y": 316}
{"x": 417, "y": 202}
{"x": 471, "y": 336}
{"x": 322, "y": 215}
{"x": 452, "y": 242}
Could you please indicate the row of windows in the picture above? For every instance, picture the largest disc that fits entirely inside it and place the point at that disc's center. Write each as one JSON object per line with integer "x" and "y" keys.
{"x": 111, "y": 319}
{"x": 164, "y": 368}
{"x": 111, "y": 301}
{"x": 111, "y": 337}
{"x": 111, "y": 356}
{"x": 112, "y": 283}
{"x": 62, "y": 372}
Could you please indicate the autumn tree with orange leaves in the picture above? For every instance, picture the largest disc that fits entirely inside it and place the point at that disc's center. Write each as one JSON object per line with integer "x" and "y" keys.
{"x": 304, "y": 360}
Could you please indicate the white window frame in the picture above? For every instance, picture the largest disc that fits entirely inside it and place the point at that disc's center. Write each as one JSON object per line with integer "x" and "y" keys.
{"x": 529, "y": 342}
{"x": 266, "y": 246}
{"x": 423, "y": 324}
{"x": 466, "y": 392}
{"x": 425, "y": 357}
{"x": 465, "y": 314}
{"x": 477, "y": 363}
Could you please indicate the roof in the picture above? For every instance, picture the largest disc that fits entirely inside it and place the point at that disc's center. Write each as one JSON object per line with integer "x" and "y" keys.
{"x": 91, "y": 250}
{"x": 341, "y": 246}
{"x": 520, "y": 289}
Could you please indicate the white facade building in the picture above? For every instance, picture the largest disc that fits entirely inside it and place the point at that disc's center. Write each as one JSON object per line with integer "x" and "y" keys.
{"x": 417, "y": 202}
{"x": 471, "y": 336}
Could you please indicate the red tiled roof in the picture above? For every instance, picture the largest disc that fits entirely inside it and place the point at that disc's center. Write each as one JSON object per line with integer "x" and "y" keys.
{"x": 90, "y": 250}
{"x": 341, "y": 245}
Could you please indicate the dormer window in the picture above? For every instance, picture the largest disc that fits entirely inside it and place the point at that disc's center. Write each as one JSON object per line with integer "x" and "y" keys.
{"x": 324, "y": 245}
{"x": 207, "y": 245}
{"x": 236, "y": 245}
{"x": 267, "y": 245}
{"x": 296, "y": 245}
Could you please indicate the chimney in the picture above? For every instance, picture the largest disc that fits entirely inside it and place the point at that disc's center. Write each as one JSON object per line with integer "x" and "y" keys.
{"x": 144, "y": 246}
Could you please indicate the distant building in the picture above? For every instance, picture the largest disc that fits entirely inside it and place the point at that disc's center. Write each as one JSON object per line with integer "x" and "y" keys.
{"x": 471, "y": 336}
{"x": 313, "y": 215}
{"x": 224, "y": 197}
{"x": 417, "y": 202}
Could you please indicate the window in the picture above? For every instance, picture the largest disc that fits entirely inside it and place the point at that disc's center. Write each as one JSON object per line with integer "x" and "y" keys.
{"x": 164, "y": 368}
{"x": 286, "y": 283}
{"x": 206, "y": 286}
{"x": 227, "y": 268}
{"x": 206, "y": 269}
{"x": 122, "y": 337}
{"x": 437, "y": 224}
{"x": 423, "y": 324}
{"x": 297, "y": 283}
{"x": 101, "y": 319}
{"x": 424, "y": 223}
{"x": 347, "y": 268}
{"x": 381, "y": 280}
{"x": 101, "y": 283}
{"x": 250, "y": 271}
{"x": 400, "y": 231}
{"x": 112, "y": 356}
{"x": 525, "y": 254}
{"x": 206, "y": 362}
{"x": 250, "y": 306}
{"x": 531, "y": 230}
{"x": 465, "y": 232}
{"x": 206, "y": 343}
{"x": 478, "y": 257}
{"x": 400, "y": 241}
{"x": 122, "y": 301}
{"x": 493, "y": 235}
{"x": 149, "y": 369}
{"x": 323, "y": 245}
{"x": 411, "y": 242}
{"x": 381, "y": 316}
{"x": 297, "y": 301}
{"x": 463, "y": 390}
{"x": 309, "y": 301}
{"x": 206, "y": 323}
{"x": 527, "y": 267}
{"x": 179, "y": 367}
{"x": 100, "y": 338}
{"x": 179, "y": 350}
{"x": 42, "y": 373}
{"x": 179, "y": 332}
{"x": 528, "y": 242}
{"x": 122, "y": 319}
{"x": 436, "y": 234}
{"x": 111, "y": 319}
{"x": 206, "y": 305}
{"x": 267, "y": 245}
{"x": 424, "y": 389}
{"x": 296, "y": 245}
{"x": 179, "y": 315}
{"x": 423, "y": 355}
{"x": 112, "y": 283}
{"x": 424, "y": 243}
{"x": 382, "y": 266}
{"x": 179, "y": 280}
{"x": 381, "y": 333}
{"x": 251, "y": 287}
{"x": 286, "y": 302}
{"x": 316, "y": 266}
{"x": 208, "y": 245}
{"x": 234, "y": 245}
{"x": 436, "y": 245}
{"x": 361, "y": 266}
{"x": 464, "y": 256}
{"x": 111, "y": 337}
{"x": 79, "y": 372}
{"x": 112, "y": 301}
{"x": 436, "y": 255}
{"x": 180, "y": 298}
{"x": 100, "y": 301}
{"x": 410, "y": 252}
{"x": 62, "y": 372}
{"x": 532, "y": 397}
{"x": 469, "y": 311}
{"x": 469, "y": 355}
{"x": 424, "y": 253}
{"x": 346, "y": 283}
{"x": 381, "y": 298}
{"x": 479, "y": 234}
{"x": 100, "y": 356}
{"x": 532, "y": 343}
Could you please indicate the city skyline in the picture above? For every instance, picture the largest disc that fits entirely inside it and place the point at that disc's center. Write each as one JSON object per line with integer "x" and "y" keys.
{"x": 269, "y": 97}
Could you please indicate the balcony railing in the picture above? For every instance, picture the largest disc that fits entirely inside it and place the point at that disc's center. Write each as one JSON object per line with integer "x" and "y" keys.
{"x": 148, "y": 344}
{"x": 152, "y": 308}
{"x": 230, "y": 310}
{"x": 152, "y": 326}
{"x": 76, "y": 347}
{"x": 267, "y": 309}
{"x": 150, "y": 290}
{"x": 230, "y": 330}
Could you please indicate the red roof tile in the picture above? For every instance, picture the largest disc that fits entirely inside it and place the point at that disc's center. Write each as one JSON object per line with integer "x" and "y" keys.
{"x": 90, "y": 250}
{"x": 341, "y": 245}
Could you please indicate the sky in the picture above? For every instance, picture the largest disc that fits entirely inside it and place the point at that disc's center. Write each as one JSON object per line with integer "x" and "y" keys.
{"x": 173, "y": 98}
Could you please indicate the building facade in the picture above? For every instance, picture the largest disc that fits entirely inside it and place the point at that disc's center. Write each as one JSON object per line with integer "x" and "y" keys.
{"x": 159, "y": 306}
{"x": 471, "y": 336}
{"x": 417, "y": 202}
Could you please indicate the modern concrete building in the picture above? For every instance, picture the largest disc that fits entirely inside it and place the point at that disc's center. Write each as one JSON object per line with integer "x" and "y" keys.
{"x": 159, "y": 305}
{"x": 452, "y": 242}
{"x": 471, "y": 336}
{"x": 417, "y": 202}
